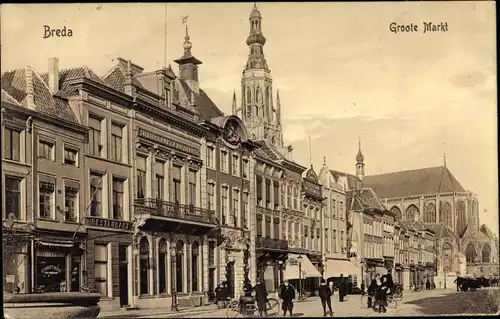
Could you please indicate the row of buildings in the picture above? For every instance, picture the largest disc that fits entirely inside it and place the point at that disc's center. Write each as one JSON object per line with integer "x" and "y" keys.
{"x": 136, "y": 185}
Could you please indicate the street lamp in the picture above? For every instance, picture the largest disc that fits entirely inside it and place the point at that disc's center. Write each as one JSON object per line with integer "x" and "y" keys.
{"x": 299, "y": 260}
{"x": 173, "y": 254}
{"x": 280, "y": 266}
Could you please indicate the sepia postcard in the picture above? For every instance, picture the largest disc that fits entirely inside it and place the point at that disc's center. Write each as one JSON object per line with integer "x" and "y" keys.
{"x": 269, "y": 159}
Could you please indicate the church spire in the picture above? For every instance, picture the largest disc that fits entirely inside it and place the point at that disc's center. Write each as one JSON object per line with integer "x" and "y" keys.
{"x": 360, "y": 165}
{"x": 444, "y": 158}
{"x": 256, "y": 41}
{"x": 278, "y": 108}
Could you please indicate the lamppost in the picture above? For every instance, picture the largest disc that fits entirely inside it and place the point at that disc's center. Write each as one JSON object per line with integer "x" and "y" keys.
{"x": 280, "y": 266}
{"x": 173, "y": 254}
{"x": 299, "y": 260}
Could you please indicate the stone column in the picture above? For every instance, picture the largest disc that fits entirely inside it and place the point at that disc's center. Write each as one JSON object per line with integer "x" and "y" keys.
{"x": 252, "y": 222}
{"x": 438, "y": 207}
{"x": 240, "y": 273}
{"x": 151, "y": 272}
{"x": 205, "y": 265}
{"x": 185, "y": 267}
{"x": 222, "y": 264}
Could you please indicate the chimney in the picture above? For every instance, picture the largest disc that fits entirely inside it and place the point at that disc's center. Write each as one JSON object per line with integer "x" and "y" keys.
{"x": 54, "y": 75}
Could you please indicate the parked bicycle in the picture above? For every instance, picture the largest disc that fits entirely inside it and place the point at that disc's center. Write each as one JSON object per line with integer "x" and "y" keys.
{"x": 240, "y": 306}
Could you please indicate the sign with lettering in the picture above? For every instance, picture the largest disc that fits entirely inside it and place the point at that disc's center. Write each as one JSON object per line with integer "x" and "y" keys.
{"x": 51, "y": 270}
{"x": 168, "y": 142}
{"x": 108, "y": 223}
{"x": 311, "y": 188}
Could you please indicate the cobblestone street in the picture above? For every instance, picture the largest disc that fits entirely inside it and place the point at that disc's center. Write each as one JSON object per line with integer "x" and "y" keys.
{"x": 434, "y": 302}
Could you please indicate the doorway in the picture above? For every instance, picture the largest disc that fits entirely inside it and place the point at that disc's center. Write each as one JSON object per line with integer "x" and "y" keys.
{"x": 230, "y": 278}
{"x": 123, "y": 275}
{"x": 211, "y": 283}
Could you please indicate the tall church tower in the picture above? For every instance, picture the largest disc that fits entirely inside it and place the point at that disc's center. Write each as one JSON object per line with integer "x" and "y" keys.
{"x": 261, "y": 118}
{"x": 360, "y": 167}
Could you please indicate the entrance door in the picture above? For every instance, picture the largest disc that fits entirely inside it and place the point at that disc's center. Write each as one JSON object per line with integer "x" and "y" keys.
{"x": 75, "y": 274}
{"x": 211, "y": 280}
{"x": 123, "y": 275}
{"x": 230, "y": 278}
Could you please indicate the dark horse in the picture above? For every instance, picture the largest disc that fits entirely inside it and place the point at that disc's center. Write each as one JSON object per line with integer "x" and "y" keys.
{"x": 466, "y": 283}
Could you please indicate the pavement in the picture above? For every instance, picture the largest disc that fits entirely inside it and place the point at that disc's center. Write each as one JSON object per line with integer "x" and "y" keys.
{"x": 430, "y": 302}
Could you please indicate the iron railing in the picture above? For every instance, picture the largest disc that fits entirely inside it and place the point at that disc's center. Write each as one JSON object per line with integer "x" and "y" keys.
{"x": 270, "y": 243}
{"x": 175, "y": 210}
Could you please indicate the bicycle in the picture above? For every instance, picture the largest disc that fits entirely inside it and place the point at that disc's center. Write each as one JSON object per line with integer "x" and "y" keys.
{"x": 235, "y": 306}
{"x": 391, "y": 301}
{"x": 398, "y": 294}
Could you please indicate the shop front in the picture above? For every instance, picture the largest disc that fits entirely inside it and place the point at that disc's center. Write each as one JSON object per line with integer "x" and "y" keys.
{"x": 398, "y": 278}
{"x": 336, "y": 267}
{"x": 271, "y": 255}
{"x": 58, "y": 259}
{"x": 109, "y": 261}
{"x": 300, "y": 271}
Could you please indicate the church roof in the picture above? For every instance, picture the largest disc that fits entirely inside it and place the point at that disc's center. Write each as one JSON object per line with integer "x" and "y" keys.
{"x": 429, "y": 180}
{"x": 473, "y": 234}
{"x": 487, "y": 231}
{"x": 440, "y": 230}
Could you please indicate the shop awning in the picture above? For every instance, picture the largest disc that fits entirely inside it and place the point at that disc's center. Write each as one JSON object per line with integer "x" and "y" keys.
{"x": 55, "y": 242}
{"x": 292, "y": 268}
{"x": 334, "y": 268}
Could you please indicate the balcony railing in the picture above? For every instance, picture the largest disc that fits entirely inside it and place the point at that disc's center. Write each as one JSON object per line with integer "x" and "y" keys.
{"x": 270, "y": 243}
{"x": 162, "y": 208}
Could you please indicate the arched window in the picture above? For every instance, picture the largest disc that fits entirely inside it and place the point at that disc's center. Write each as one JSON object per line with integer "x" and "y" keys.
{"x": 461, "y": 222}
{"x": 144, "y": 265}
{"x": 258, "y": 95}
{"x": 486, "y": 254}
{"x": 447, "y": 258}
{"x": 179, "y": 253}
{"x": 249, "y": 96}
{"x": 470, "y": 253}
{"x": 430, "y": 213}
{"x": 396, "y": 212}
{"x": 195, "y": 252}
{"x": 268, "y": 96}
{"x": 411, "y": 213}
{"x": 162, "y": 265}
{"x": 256, "y": 111}
{"x": 445, "y": 214}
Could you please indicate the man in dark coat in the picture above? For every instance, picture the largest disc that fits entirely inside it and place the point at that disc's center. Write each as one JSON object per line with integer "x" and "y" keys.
{"x": 220, "y": 295}
{"x": 261, "y": 297}
{"x": 287, "y": 296}
{"x": 342, "y": 288}
{"x": 325, "y": 296}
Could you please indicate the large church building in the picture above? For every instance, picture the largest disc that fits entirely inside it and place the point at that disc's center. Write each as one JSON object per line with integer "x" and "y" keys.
{"x": 434, "y": 197}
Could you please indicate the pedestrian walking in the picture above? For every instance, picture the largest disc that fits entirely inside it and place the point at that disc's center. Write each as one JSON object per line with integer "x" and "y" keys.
{"x": 261, "y": 297}
{"x": 287, "y": 296}
{"x": 342, "y": 288}
{"x": 428, "y": 285}
{"x": 325, "y": 295}
{"x": 220, "y": 295}
{"x": 381, "y": 294}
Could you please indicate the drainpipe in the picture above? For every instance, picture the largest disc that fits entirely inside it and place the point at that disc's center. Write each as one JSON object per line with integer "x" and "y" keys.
{"x": 29, "y": 127}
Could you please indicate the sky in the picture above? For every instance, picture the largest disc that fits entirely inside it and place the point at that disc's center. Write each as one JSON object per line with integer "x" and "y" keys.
{"x": 342, "y": 75}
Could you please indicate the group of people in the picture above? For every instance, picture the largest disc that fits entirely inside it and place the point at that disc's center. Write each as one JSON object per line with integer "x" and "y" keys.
{"x": 378, "y": 289}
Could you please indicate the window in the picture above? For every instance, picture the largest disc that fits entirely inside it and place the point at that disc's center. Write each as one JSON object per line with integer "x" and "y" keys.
{"x": 268, "y": 193}
{"x": 101, "y": 268}
{"x": 245, "y": 172}
{"x": 276, "y": 228}
{"x": 223, "y": 161}
{"x": 95, "y": 144}
{"x": 276, "y": 193}
{"x": 13, "y": 196}
{"x": 96, "y": 180}
{"x": 259, "y": 225}
{"x": 160, "y": 180}
{"x": 118, "y": 198}
{"x": 47, "y": 196}
{"x": 327, "y": 244}
{"x": 334, "y": 208}
{"x": 195, "y": 251}
{"x": 306, "y": 237}
{"x": 12, "y": 144}
{"x": 224, "y": 199}
{"x": 294, "y": 197}
{"x": 334, "y": 241}
{"x": 290, "y": 231}
{"x": 235, "y": 164}
{"x": 141, "y": 176}
{"x": 115, "y": 151}
{"x": 162, "y": 265}
{"x": 176, "y": 180}
{"x": 70, "y": 156}
{"x": 245, "y": 210}
{"x": 211, "y": 253}
{"x": 46, "y": 150}
{"x": 236, "y": 207}
{"x": 71, "y": 190}
{"x": 258, "y": 180}
{"x": 211, "y": 196}
{"x": 289, "y": 196}
{"x": 144, "y": 266}
{"x": 268, "y": 227}
{"x": 210, "y": 157}
{"x": 192, "y": 188}
{"x": 341, "y": 204}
